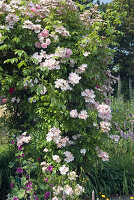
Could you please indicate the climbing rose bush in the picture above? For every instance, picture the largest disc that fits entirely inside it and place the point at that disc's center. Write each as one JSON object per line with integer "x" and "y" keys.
{"x": 56, "y": 84}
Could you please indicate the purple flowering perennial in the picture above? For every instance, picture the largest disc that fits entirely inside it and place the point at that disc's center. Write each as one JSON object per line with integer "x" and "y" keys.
{"x": 11, "y": 185}
{"x": 15, "y": 198}
{"x": 50, "y": 168}
{"x": 19, "y": 170}
{"x": 47, "y": 195}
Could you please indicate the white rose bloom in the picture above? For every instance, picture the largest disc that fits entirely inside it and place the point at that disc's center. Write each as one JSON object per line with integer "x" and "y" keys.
{"x": 63, "y": 84}
{"x": 83, "y": 151}
{"x": 95, "y": 124}
{"x": 86, "y": 54}
{"x": 49, "y": 138}
{"x": 38, "y": 58}
{"x": 13, "y": 99}
{"x": 81, "y": 69}
{"x": 74, "y": 137}
{"x": 18, "y": 100}
{"x": 115, "y": 137}
{"x": 27, "y": 139}
{"x": 63, "y": 170}
{"x": 72, "y": 175}
{"x": 57, "y": 190}
{"x": 54, "y": 198}
{"x": 56, "y": 158}
{"x": 74, "y": 113}
{"x": 83, "y": 115}
{"x": 43, "y": 163}
{"x": 24, "y": 133}
{"x": 79, "y": 190}
{"x": 74, "y": 78}
{"x": 69, "y": 156}
{"x": 68, "y": 190}
{"x": 105, "y": 126}
{"x": 45, "y": 150}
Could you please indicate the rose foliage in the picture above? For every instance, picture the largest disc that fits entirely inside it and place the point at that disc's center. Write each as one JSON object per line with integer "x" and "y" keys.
{"x": 54, "y": 58}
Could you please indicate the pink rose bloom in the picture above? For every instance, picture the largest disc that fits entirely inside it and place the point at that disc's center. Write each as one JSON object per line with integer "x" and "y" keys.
{"x": 48, "y": 41}
{"x": 33, "y": 9}
{"x": 39, "y": 35}
{"x": 68, "y": 53}
{"x": 44, "y": 45}
{"x": 45, "y": 33}
{"x": 4, "y": 100}
{"x": 38, "y": 6}
{"x": 37, "y": 45}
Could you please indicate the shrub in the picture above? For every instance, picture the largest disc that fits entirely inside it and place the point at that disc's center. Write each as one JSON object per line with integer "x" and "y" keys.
{"x": 55, "y": 79}
{"x": 6, "y": 156}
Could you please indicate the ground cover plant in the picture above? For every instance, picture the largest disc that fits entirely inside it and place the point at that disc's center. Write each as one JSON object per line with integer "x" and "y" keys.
{"x": 56, "y": 85}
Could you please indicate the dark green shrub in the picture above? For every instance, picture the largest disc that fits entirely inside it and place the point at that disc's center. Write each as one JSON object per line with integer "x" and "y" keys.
{"x": 6, "y": 156}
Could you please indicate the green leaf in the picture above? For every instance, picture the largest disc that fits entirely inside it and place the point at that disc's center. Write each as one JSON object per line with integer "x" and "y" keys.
{"x": 11, "y": 164}
{"x": 23, "y": 181}
{"x": 20, "y": 52}
{"x": 13, "y": 60}
{"x": 21, "y": 193}
{"x": 66, "y": 130}
{"x": 21, "y": 64}
{"x": 57, "y": 124}
{"x": 63, "y": 107}
{"x": 52, "y": 101}
{"x": 5, "y": 47}
{"x": 24, "y": 162}
{"x": 42, "y": 186}
{"x": 17, "y": 40}
{"x": 26, "y": 72}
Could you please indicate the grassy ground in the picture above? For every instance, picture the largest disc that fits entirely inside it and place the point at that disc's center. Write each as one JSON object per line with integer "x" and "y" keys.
{"x": 124, "y": 197}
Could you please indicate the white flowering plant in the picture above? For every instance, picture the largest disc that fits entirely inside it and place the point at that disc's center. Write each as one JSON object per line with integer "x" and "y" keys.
{"x": 56, "y": 83}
